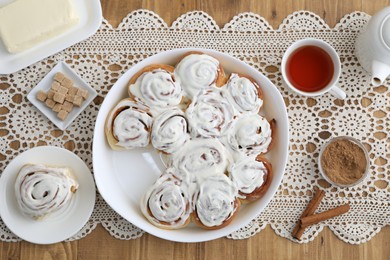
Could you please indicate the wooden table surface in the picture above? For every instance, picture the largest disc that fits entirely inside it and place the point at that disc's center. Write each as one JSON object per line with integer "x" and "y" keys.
{"x": 266, "y": 244}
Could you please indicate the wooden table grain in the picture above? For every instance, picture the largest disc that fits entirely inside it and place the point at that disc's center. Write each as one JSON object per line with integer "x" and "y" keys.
{"x": 266, "y": 244}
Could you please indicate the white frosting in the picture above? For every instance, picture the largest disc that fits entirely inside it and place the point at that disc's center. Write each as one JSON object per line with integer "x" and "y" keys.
{"x": 167, "y": 202}
{"x": 157, "y": 89}
{"x": 243, "y": 94}
{"x": 215, "y": 201}
{"x": 132, "y": 125}
{"x": 41, "y": 190}
{"x": 196, "y": 72}
{"x": 169, "y": 131}
{"x": 247, "y": 174}
{"x": 209, "y": 114}
{"x": 250, "y": 134}
{"x": 202, "y": 158}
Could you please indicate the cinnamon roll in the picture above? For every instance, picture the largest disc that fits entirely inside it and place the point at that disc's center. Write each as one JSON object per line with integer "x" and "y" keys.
{"x": 201, "y": 158}
{"x": 167, "y": 204}
{"x": 209, "y": 114}
{"x": 128, "y": 125}
{"x": 156, "y": 87}
{"x": 197, "y": 71}
{"x": 251, "y": 134}
{"x": 41, "y": 190}
{"x": 169, "y": 131}
{"x": 252, "y": 176}
{"x": 216, "y": 203}
{"x": 243, "y": 93}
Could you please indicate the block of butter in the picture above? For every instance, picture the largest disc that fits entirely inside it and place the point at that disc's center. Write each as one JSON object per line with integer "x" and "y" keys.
{"x": 25, "y": 23}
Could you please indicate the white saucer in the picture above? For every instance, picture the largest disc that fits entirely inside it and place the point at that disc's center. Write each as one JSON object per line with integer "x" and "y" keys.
{"x": 56, "y": 227}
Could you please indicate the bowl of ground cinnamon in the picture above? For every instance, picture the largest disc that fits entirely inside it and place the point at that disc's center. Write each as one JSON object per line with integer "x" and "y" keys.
{"x": 344, "y": 162}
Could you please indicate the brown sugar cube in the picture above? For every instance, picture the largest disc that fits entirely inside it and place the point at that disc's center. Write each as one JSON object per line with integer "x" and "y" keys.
{"x": 83, "y": 93}
{"x": 55, "y": 86}
{"x": 59, "y": 76}
{"x": 57, "y": 107}
{"x": 78, "y": 100}
{"x": 73, "y": 90}
{"x": 62, "y": 114}
{"x": 41, "y": 96}
{"x": 62, "y": 90}
{"x": 69, "y": 98}
{"x": 79, "y": 91}
{"x": 59, "y": 98}
{"x": 50, "y": 103}
{"x": 67, "y": 83}
{"x": 67, "y": 106}
{"x": 50, "y": 94}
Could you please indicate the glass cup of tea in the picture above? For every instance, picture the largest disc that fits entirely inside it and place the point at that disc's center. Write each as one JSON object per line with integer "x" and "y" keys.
{"x": 311, "y": 67}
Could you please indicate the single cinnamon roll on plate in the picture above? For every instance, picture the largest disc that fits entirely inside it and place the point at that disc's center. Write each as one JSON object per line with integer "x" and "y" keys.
{"x": 215, "y": 203}
{"x": 243, "y": 93}
{"x": 167, "y": 204}
{"x": 209, "y": 114}
{"x": 251, "y": 134}
{"x": 128, "y": 125}
{"x": 169, "y": 131}
{"x": 156, "y": 87}
{"x": 197, "y": 71}
{"x": 41, "y": 190}
{"x": 252, "y": 176}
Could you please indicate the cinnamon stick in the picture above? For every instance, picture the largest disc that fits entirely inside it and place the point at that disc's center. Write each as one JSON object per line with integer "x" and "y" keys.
{"x": 310, "y": 209}
{"x": 316, "y": 218}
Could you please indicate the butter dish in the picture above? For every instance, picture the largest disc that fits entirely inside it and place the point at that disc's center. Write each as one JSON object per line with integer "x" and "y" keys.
{"x": 89, "y": 15}
{"x": 24, "y": 23}
{"x": 46, "y": 84}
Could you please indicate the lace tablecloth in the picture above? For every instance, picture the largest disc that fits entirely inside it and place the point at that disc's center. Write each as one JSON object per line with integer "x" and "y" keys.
{"x": 103, "y": 58}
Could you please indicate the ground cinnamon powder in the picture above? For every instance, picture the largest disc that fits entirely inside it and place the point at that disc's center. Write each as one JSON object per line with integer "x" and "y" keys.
{"x": 344, "y": 162}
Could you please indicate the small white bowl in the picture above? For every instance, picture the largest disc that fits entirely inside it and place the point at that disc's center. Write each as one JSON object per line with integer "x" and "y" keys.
{"x": 355, "y": 141}
{"x": 45, "y": 85}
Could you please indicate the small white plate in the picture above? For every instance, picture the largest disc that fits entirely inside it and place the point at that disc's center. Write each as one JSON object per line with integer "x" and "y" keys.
{"x": 55, "y": 227}
{"x": 90, "y": 14}
{"x": 45, "y": 85}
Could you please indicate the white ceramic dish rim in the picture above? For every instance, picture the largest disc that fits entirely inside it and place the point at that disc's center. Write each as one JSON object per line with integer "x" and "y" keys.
{"x": 99, "y": 157}
{"x": 65, "y": 223}
{"x": 90, "y": 20}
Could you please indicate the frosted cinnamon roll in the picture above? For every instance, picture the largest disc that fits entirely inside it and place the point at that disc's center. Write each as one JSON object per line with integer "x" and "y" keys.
{"x": 201, "y": 158}
{"x": 209, "y": 114}
{"x": 215, "y": 203}
{"x": 167, "y": 204}
{"x": 170, "y": 131}
{"x": 243, "y": 93}
{"x": 156, "y": 87}
{"x": 128, "y": 125}
{"x": 197, "y": 71}
{"x": 252, "y": 176}
{"x": 251, "y": 134}
{"x": 41, "y": 190}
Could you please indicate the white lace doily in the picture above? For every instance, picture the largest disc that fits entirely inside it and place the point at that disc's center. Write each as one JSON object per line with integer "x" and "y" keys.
{"x": 103, "y": 58}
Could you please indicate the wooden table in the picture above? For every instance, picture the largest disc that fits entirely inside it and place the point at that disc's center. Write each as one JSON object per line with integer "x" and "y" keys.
{"x": 266, "y": 244}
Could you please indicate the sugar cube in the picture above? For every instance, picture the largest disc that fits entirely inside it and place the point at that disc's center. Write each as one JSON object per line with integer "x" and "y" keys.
{"x": 41, "y": 96}
{"x": 59, "y": 98}
{"x": 62, "y": 115}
